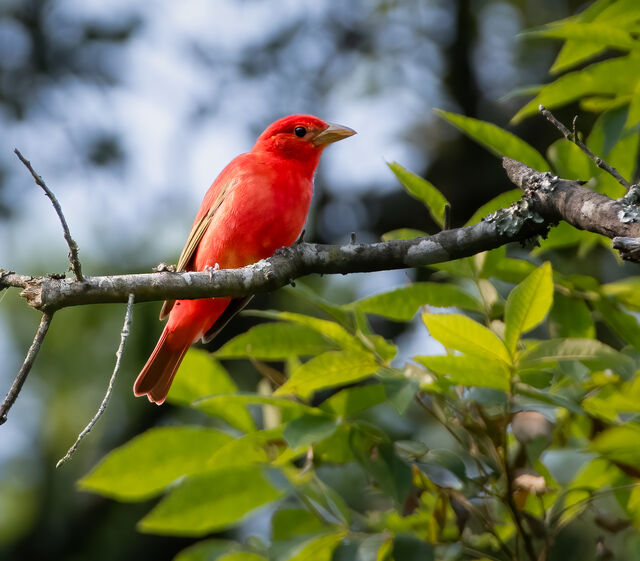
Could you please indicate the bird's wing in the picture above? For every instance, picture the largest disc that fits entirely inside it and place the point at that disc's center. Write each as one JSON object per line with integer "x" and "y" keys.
{"x": 217, "y": 192}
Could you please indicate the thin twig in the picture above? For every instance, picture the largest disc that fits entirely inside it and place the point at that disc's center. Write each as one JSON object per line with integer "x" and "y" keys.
{"x": 573, "y": 137}
{"x": 13, "y": 392}
{"x": 73, "y": 246}
{"x": 103, "y": 406}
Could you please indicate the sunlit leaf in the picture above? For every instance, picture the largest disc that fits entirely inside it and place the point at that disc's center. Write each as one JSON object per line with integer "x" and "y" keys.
{"x": 469, "y": 370}
{"x": 569, "y": 161}
{"x": 422, "y": 190}
{"x": 527, "y": 305}
{"x": 274, "y": 341}
{"x": 597, "y": 33}
{"x": 462, "y": 334}
{"x": 329, "y": 329}
{"x": 497, "y": 140}
{"x": 328, "y": 370}
{"x": 593, "y": 353}
{"x": 210, "y": 501}
{"x": 207, "y": 550}
{"x": 403, "y": 234}
{"x": 620, "y": 444}
{"x": 201, "y": 375}
{"x": 213, "y": 404}
{"x": 288, "y": 522}
{"x": 318, "y": 548}
{"x": 615, "y": 76}
{"x": 402, "y": 303}
{"x": 148, "y": 463}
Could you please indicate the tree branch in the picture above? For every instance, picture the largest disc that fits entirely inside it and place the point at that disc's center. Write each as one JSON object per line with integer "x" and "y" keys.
{"x": 12, "y": 395}
{"x": 105, "y": 401}
{"x": 546, "y": 200}
{"x": 73, "y": 246}
{"x": 573, "y": 137}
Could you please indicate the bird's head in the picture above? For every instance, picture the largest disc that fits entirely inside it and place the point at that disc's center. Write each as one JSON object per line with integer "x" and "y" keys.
{"x": 301, "y": 137}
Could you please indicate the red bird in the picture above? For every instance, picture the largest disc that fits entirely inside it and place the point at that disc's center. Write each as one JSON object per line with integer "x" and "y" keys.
{"x": 257, "y": 204}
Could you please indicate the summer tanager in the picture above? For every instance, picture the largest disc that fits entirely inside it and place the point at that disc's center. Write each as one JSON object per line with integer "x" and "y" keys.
{"x": 257, "y": 204}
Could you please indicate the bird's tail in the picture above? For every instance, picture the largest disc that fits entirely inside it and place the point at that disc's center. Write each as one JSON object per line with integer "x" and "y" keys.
{"x": 155, "y": 378}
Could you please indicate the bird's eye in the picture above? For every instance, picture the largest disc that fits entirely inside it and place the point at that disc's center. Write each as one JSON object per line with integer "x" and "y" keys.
{"x": 300, "y": 131}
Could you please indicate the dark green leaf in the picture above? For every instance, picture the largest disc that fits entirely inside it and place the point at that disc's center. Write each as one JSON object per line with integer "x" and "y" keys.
{"x": 288, "y": 522}
{"x": 570, "y": 317}
{"x": 308, "y": 429}
{"x": 353, "y": 400}
{"x": 407, "y": 547}
{"x": 623, "y": 324}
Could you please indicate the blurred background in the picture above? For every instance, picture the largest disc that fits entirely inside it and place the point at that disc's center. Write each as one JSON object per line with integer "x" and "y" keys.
{"x": 129, "y": 111}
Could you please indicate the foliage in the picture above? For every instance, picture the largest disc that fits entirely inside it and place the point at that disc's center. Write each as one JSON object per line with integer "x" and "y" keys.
{"x": 520, "y": 428}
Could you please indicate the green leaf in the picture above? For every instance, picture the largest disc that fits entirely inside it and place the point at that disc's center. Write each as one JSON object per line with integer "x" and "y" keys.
{"x": 626, "y": 291}
{"x": 147, "y": 464}
{"x": 408, "y": 547}
{"x": 619, "y": 444}
{"x": 246, "y": 450}
{"x": 503, "y": 200}
{"x": 593, "y": 353}
{"x": 201, "y": 375}
{"x": 308, "y": 429}
{"x": 329, "y": 329}
{"x": 350, "y": 401}
{"x": 328, "y": 370}
{"x": 527, "y": 305}
{"x": 242, "y": 556}
{"x": 469, "y": 370}
{"x": 210, "y": 502}
{"x": 318, "y": 548}
{"x": 391, "y": 473}
{"x": 623, "y": 324}
{"x": 289, "y": 522}
{"x": 446, "y": 460}
{"x": 570, "y": 317}
{"x": 400, "y": 391}
{"x": 615, "y": 76}
{"x": 275, "y": 341}
{"x": 463, "y": 334}
{"x": 402, "y": 303}
{"x": 422, "y": 190}
{"x": 498, "y": 141}
{"x": 596, "y": 33}
{"x": 213, "y": 404}
{"x": 206, "y": 550}
{"x": 569, "y": 161}
{"x": 403, "y": 234}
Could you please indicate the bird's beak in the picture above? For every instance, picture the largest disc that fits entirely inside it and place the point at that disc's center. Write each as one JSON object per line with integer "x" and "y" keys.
{"x": 332, "y": 133}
